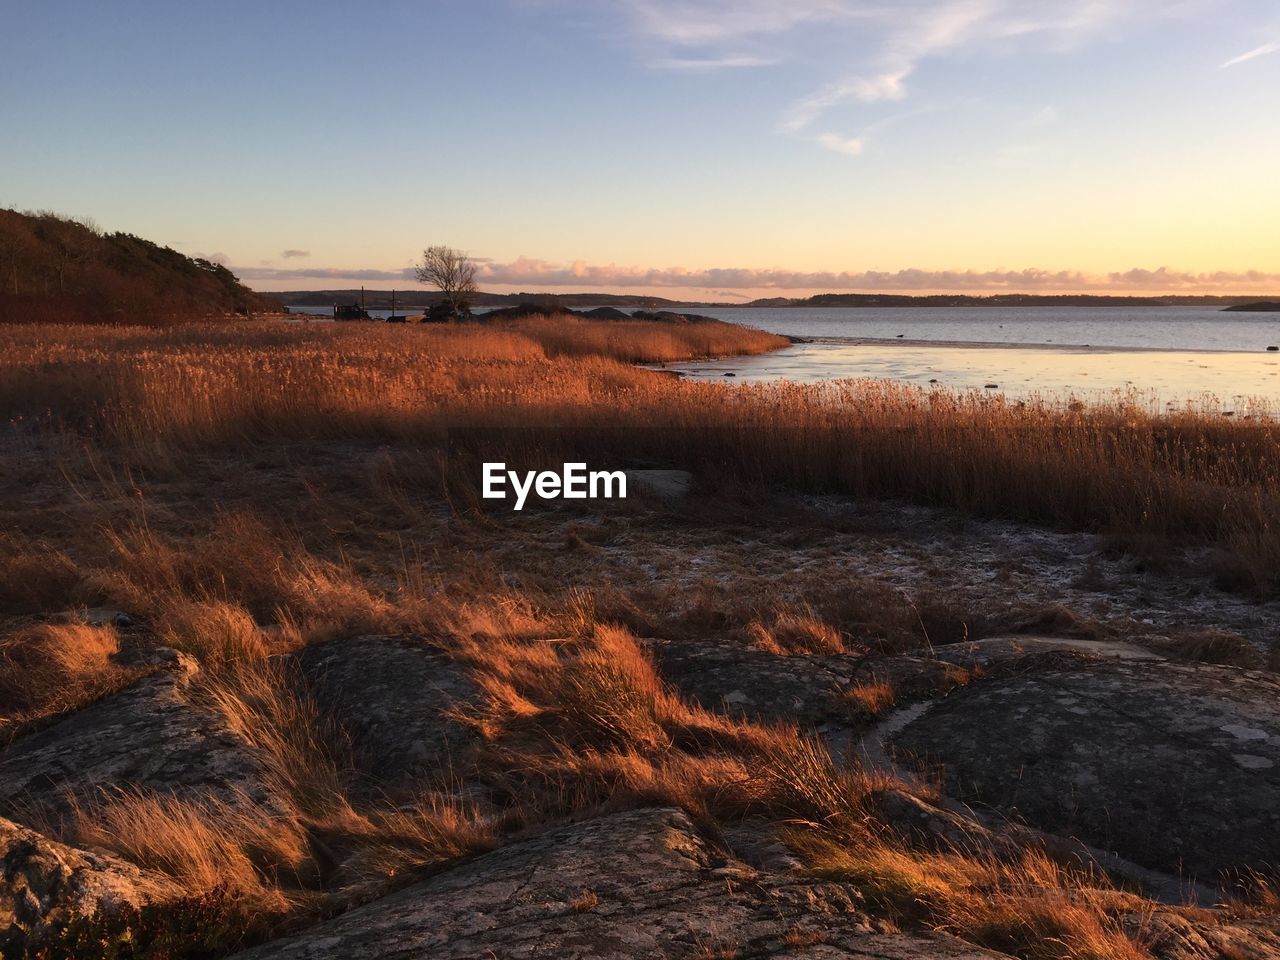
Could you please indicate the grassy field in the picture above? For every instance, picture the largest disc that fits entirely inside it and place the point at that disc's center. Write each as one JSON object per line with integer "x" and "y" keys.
{"x": 150, "y": 396}
{"x": 244, "y": 490}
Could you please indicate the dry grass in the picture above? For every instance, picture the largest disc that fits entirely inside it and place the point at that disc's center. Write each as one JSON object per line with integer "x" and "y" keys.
{"x": 1029, "y": 906}
{"x": 794, "y": 631}
{"x": 1115, "y": 468}
{"x": 870, "y": 699}
{"x": 572, "y": 713}
{"x": 51, "y": 668}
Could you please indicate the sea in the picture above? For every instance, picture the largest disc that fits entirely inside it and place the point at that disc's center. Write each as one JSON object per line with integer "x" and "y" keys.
{"x": 1156, "y": 357}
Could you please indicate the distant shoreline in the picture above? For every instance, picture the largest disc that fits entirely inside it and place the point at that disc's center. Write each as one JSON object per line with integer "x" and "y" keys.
{"x": 417, "y": 300}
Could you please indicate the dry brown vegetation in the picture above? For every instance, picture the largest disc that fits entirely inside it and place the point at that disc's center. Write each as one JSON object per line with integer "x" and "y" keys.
{"x": 569, "y": 385}
{"x": 244, "y": 491}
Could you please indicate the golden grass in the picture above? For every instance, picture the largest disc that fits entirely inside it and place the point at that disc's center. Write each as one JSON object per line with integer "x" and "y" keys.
{"x": 155, "y": 394}
{"x": 54, "y": 667}
{"x": 870, "y": 699}
{"x": 799, "y": 631}
{"x": 1028, "y": 905}
{"x": 572, "y": 714}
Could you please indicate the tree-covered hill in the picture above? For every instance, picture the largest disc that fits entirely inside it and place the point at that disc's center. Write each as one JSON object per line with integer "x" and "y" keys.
{"x": 53, "y": 268}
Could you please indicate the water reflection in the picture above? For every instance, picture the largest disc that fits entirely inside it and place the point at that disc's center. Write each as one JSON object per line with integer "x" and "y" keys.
{"x": 1239, "y": 383}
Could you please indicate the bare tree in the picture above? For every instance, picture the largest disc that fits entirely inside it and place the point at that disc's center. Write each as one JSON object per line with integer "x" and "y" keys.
{"x": 453, "y": 273}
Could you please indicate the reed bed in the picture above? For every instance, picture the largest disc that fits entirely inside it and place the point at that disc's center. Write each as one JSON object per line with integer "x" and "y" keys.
{"x": 569, "y": 386}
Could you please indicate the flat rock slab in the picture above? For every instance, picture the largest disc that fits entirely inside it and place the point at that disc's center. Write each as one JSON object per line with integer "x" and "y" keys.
{"x": 156, "y": 735}
{"x": 391, "y": 696}
{"x": 632, "y": 885}
{"x": 43, "y": 880}
{"x": 1174, "y": 767}
{"x": 804, "y": 689}
{"x": 737, "y": 678}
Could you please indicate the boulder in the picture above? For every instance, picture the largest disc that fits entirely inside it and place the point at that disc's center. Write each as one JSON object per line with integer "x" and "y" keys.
{"x": 42, "y": 880}
{"x": 638, "y": 884}
{"x": 391, "y": 696}
{"x": 1175, "y": 767}
{"x": 155, "y": 735}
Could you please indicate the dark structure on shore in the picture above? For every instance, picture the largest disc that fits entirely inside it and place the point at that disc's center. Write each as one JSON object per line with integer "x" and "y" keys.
{"x": 350, "y": 312}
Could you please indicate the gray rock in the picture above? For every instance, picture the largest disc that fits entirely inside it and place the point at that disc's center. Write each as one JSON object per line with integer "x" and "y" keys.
{"x": 1173, "y": 936}
{"x": 632, "y": 885}
{"x": 806, "y": 689}
{"x": 390, "y": 695}
{"x": 744, "y": 680}
{"x": 1174, "y": 767}
{"x": 43, "y": 880}
{"x": 156, "y": 735}
{"x": 981, "y": 653}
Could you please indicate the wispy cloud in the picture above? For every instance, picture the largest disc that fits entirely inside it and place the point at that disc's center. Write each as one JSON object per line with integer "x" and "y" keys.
{"x": 534, "y": 274}
{"x": 701, "y": 23}
{"x": 275, "y": 275}
{"x": 887, "y": 43}
{"x": 709, "y": 64}
{"x": 295, "y": 254}
{"x": 833, "y": 141}
{"x": 1254, "y": 54}
{"x": 582, "y": 275}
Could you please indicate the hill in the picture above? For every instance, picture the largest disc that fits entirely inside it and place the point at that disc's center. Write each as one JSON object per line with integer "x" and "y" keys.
{"x": 56, "y": 269}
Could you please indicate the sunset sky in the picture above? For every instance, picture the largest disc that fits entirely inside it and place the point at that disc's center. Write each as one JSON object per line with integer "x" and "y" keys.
{"x": 697, "y": 148}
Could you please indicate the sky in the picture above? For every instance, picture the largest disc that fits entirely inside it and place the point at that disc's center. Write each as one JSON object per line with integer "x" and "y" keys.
{"x": 684, "y": 148}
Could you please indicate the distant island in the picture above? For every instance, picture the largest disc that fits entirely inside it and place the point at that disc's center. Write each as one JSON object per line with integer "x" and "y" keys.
{"x": 1263, "y": 306}
{"x": 423, "y": 299}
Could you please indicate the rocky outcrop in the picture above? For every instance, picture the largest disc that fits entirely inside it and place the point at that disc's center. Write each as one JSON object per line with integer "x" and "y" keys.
{"x": 994, "y": 650}
{"x": 156, "y": 735}
{"x": 805, "y": 689}
{"x": 740, "y": 679}
{"x": 633, "y": 885}
{"x": 1172, "y": 936}
{"x": 391, "y": 696}
{"x": 1174, "y": 767}
{"x": 42, "y": 880}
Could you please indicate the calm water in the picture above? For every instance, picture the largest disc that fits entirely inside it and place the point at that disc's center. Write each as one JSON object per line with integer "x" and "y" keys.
{"x": 1167, "y": 355}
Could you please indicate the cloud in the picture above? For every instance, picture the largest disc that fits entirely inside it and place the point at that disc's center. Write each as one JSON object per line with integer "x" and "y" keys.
{"x": 850, "y": 145}
{"x": 533, "y": 274}
{"x": 709, "y": 64}
{"x": 696, "y": 23}
{"x": 278, "y": 275}
{"x": 1262, "y": 51}
{"x": 294, "y": 254}
{"x": 887, "y": 43}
